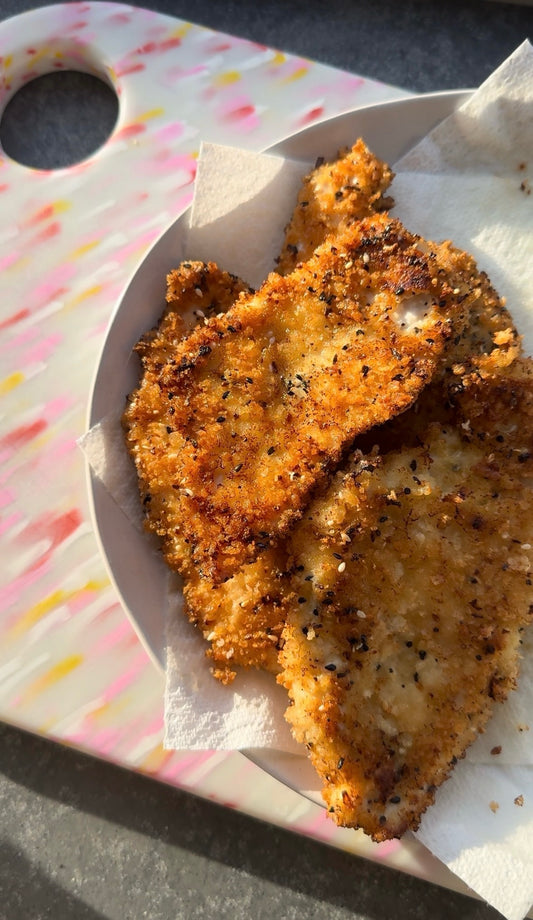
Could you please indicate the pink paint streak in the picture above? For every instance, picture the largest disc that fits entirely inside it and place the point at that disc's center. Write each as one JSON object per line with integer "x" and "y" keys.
{"x": 239, "y": 112}
{"x": 182, "y": 73}
{"x": 103, "y": 741}
{"x": 57, "y": 451}
{"x": 53, "y": 285}
{"x": 121, "y": 632}
{"x": 10, "y": 521}
{"x": 27, "y": 336}
{"x": 170, "y": 132}
{"x": 6, "y": 497}
{"x": 143, "y": 242}
{"x": 42, "y": 350}
{"x": 12, "y": 591}
{"x": 57, "y": 407}
{"x": 14, "y": 318}
{"x": 8, "y": 260}
{"x": 154, "y": 726}
{"x": 129, "y": 677}
{"x": 23, "y": 434}
{"x": 125, "y": 69}
{"x": 48, "y": 233}
{"x": 44, "y": 213}
{"x": 52, "y": 530}
{"x": 129, "y": 131}
{"x": 166, "y": 44}
{"x": 346, "y": 83}
{"x": 310, "y": 116}
{"x": 119, "y": 18}
{"x": 176, "y": 768}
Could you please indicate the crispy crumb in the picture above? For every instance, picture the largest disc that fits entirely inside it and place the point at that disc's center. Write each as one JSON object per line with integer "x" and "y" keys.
{"x": 496, "y": 750}
{"x": 493, "y": 806}
{"x": 333, "y": 196}
{"x": 519, "y": 800}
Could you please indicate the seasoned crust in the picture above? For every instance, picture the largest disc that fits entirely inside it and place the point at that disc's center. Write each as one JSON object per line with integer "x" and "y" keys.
{"x": 243, "y": 616}
{"x": 421, "y": 584}
{"x": 332, "y": 196}
{"x": 267, "y": 398}
{"x": 195, "y": 291}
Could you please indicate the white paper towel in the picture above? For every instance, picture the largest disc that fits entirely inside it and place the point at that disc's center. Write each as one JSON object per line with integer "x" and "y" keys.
{"x": 469, "y": 180}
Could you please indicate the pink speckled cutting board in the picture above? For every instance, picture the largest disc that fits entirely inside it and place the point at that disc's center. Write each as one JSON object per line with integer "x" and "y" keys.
{"x": 71, "y": 666}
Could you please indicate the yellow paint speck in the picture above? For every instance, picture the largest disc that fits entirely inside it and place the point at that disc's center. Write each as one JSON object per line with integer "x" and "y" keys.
{"x": 83, "y": 295}
{"x": 37, "y": 612}
{"x": 296, "y": 75}
{"x": 53, "y": 600}
{"x": 87, "y": 247}
{"x": 227, "y": 78}
{"x": 9, "y": 383}
{"x": 151, "y": 113}
{"x": 182, "y": 31}
{"x": 56, "y": 673}
{"x": 156, "y": 759}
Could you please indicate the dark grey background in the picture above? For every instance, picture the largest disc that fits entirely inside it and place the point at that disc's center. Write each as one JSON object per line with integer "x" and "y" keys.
{"x": 83, "y": 840}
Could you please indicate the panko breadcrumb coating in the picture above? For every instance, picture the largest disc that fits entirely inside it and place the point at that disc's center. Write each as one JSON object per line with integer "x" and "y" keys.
{"x": 265, "y": 399}
{"x": 243, "y": 616}
{"x": 332, "y": 196}
{"x": 195, "y": 291}
{"x": 414, "y": 582}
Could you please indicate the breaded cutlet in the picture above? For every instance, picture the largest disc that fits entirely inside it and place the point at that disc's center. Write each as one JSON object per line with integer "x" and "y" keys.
{"x": 266, "y": 398}
{"x": 413, "y": 583}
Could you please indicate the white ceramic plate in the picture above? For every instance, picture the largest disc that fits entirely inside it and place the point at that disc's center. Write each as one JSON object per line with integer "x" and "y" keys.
{"x": 389, "y": 129}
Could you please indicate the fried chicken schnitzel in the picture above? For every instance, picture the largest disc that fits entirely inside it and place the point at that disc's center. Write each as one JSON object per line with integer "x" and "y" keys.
{"x": 413, "y": 576}
{"x": 243, "y": 616}
{"x": 265, "y": 399}
{"x": 332, "y": 196}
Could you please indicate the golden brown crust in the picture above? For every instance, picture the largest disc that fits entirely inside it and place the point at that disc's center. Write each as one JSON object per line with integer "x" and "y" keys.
{"x": 195, "y": 292}
{"x": 332, "y": 196}
{"x": 266, "y": 398}
{"x": 409, "y": 628}
{"x": 243, "y": 618}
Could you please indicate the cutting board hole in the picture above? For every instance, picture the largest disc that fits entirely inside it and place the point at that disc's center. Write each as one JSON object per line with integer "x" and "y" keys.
{"x": 58, "y": 119}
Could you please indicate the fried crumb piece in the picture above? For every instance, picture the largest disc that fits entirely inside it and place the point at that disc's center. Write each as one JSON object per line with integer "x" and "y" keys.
{"x": 332, "y": 196}
{"x": 519, "y": 800}
{"x": 494, "y": 806}
{"x": 496, "y": 750}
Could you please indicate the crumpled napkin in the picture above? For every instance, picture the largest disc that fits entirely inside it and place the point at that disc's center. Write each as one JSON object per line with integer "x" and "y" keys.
{"x": 468, "y": 180}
